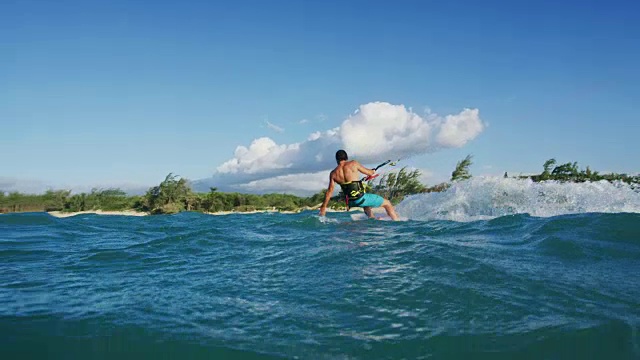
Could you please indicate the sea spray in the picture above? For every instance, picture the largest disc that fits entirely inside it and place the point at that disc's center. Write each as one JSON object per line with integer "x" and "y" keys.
{"x": 482, "y": 198}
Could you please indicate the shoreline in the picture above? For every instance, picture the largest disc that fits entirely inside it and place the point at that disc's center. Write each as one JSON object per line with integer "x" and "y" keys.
{"x": 62, "y": 214}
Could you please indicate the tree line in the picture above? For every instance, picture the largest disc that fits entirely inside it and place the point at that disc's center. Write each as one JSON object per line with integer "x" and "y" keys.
{"x": 174, "y": 193}
{"x": 570, "y": 172}
{"x": 61, "y": 200}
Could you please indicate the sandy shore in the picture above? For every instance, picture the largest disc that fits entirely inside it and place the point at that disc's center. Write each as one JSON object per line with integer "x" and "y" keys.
{"x": 60, "y": 214}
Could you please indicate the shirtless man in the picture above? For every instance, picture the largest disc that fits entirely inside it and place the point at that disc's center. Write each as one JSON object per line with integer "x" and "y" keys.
{"x": 346, "y": 174}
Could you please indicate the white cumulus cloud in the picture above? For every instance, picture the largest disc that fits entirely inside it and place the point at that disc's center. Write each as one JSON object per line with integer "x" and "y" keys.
{"x": 264, "y": 157}
{"x": 381, "y": 128}
{"x": 374, "y": 132}
{"x": 457, "y": 130}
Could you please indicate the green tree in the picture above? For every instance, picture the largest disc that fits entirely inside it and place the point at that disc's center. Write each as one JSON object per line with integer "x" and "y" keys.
{"x": 568, "y": 171}
{"x": 546, "y": 173}
{"x": 461, "y": 172}
{"x": 76, "y": 203}
{"x": 396, "y": 185}
{"x": 212, "y": 201}
{"x": 54, "y": 200}
{"x": 171, "y": 196}
{"x": 591, "y": 175}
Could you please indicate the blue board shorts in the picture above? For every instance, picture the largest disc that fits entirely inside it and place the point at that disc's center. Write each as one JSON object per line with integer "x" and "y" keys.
{"x": 371, "y": 200}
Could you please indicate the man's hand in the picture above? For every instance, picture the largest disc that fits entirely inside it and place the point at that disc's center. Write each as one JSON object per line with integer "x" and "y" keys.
{"x": 371, "y": 177}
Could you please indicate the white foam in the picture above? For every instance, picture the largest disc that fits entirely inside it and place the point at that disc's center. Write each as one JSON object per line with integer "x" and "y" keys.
{"x": 483, "y": 198}
{"x": 325, "y": 220}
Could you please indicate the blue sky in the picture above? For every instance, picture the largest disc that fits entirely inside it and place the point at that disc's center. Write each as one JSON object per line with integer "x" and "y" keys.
{"x": 120, "y": 93}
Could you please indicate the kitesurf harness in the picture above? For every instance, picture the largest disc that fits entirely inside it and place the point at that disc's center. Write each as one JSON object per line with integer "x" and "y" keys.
{"x": 353, "y": 190}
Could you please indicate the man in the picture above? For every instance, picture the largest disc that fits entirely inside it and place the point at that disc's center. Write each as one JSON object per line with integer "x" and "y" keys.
{"x": 346, "y": 174}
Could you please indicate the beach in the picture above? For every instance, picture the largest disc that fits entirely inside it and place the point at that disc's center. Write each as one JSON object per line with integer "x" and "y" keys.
{"x": 62, "y": 214}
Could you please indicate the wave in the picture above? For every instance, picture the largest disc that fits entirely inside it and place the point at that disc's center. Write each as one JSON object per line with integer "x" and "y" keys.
{"x": 484, "y": 198}
{"x": 27, "y": 218}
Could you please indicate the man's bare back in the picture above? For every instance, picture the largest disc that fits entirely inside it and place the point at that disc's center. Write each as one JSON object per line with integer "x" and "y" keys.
{"x": 348, "y": 171}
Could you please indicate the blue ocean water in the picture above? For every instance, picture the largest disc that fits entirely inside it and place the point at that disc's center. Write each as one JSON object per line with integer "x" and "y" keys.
{"x": 481, "y": 279}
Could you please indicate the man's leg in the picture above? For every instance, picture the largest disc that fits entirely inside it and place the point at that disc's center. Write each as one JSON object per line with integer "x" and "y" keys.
{"x": 386, "y": 204}
{"x": 368, "y": 211}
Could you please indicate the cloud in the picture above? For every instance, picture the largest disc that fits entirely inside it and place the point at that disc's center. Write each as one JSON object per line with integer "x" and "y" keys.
{"x": 273, "y": 127}
{"x": 374, "y": 132}
{"x": 303, "y": 121}
{"x": 264, "y": 156}
{"x": 298, "y": 184}
{"x": 382, "y": 128}
{"x": 457, "y": 130}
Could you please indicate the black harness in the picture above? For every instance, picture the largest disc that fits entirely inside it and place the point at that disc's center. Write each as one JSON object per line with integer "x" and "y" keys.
{"x": 353, "y": 191}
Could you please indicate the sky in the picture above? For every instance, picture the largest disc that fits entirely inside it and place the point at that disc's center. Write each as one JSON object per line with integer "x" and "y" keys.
{"x": 257, "y": 96}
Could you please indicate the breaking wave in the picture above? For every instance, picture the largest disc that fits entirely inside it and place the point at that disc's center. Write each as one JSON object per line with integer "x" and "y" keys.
{"x": 485, "y": 198}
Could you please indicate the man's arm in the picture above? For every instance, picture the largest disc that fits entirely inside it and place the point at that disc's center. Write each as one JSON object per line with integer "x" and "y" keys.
{"x": 327, "y": 195}
{"x": 364, "y": 170}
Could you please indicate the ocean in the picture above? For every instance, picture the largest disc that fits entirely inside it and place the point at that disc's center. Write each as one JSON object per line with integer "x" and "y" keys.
{"x": 490, "y": 269}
